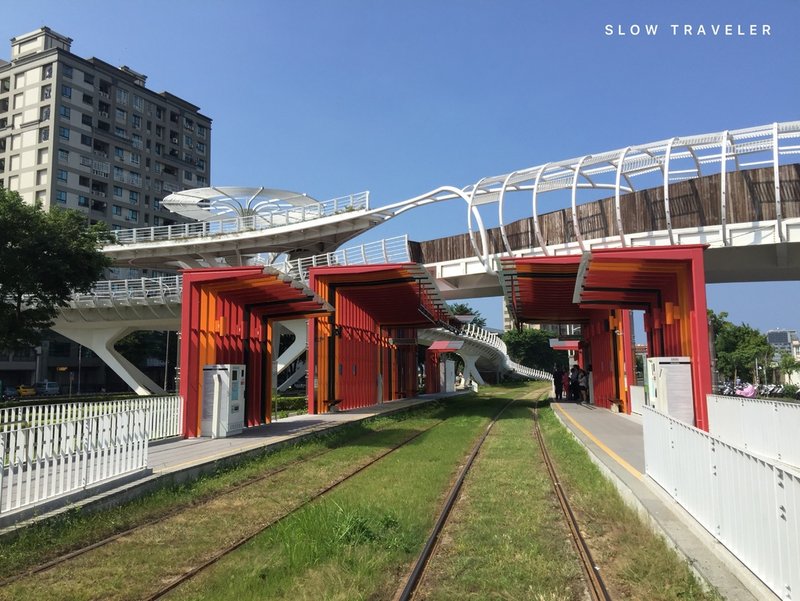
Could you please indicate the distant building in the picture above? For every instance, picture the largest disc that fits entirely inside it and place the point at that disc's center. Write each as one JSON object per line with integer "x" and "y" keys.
{"x": 85, "y": 135}
{"x": 784, "y": 341}
{"x": 82, "y": 134}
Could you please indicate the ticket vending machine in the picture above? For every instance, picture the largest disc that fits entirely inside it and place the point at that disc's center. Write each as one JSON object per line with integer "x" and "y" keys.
{"x": 223, "y": 400}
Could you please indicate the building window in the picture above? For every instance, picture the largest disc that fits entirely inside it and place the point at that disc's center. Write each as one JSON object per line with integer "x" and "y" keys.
{"x": 47, "y": 91}
{"x": 201, "y": 147}
{"x": 63, "y": 155}
{"x": 67, "y": 71}
{"x": 187, "y": 175}
{"x": 201, "y": 130}
{"x": 133, "y": 215}
{"x": 88, "y": 78}
{"x": 84, "y": 181}
{"x": 137, "y": 122}
{"x": 135, "y": 158}
{"x": 61, "y": 196}
{"x": 83, "y": 201}
{"x": 44, "y": 134}
{"x": 136, "y": 140}
{"x": 122, "y": 96}
{"x": 115, "y": 210}
{"x": 63, "y": 133}
{"x": 47, "y": 71}
{"x": 119, "y": 153}
{"x": 86, "y": 140}
{"x": 66, "y": 91}
{"x": 121, "y": 115}
{"x": 86, "y": 119}
{"x": 201, "y": 164}
{"x": 64, "y": 111}
{"x": 119, "y": 131}
{"x": 87, "y": 99}
{"x": 117, "y": 192}
{"x": 138, "y": 103}
{"x": 159, "y": 113}
{"x": 201, "y": 181}
{"x": 62, "y": 175}
{"x": 134, "y": 197}
{"x": 44, "y": 113}
{"x": 118, "y": 175}
{"x": 187, "y": 142}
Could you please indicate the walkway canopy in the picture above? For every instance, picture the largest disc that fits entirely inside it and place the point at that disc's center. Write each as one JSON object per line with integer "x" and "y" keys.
{"x": 227, "y": 317}
{"x": 599, "y": 289}
{"x": 366, "y": 352}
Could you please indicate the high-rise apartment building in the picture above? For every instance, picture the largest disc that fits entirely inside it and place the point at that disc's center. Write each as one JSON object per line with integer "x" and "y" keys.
{"x": 82, "y": 134}
{"x": 85, "y": 135}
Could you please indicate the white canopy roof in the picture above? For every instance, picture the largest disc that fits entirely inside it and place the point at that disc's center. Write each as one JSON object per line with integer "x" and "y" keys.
{"x": 231, "y": 201}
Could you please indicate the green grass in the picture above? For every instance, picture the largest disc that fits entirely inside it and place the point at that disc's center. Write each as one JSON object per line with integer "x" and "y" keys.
{"x": 506, "y": 538}
{"x": 635, "y": 563}
{"x": 356, "y": 542}
{"x": 40, "y": 542}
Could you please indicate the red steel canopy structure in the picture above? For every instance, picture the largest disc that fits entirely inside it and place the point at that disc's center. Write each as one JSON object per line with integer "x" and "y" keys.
{"x": 226, "y": 317}
{"x": 366, "y": 351}
{"x": 599, "y": 289}
{"x": 668, "y": 284}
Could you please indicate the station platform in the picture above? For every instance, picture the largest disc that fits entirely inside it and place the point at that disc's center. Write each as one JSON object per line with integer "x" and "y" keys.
{"x": 615, "y": 443}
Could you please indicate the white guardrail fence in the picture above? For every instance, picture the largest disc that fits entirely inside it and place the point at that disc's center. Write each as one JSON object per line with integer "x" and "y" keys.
{"x": 236, "y": 225}
{"x": 44, "y": 461}
{"x": 764, "y": 427}
{"x": 749, "y": 503}
{"x": 164, "y": 414}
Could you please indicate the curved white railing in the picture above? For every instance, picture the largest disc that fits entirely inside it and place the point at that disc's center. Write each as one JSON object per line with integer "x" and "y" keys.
{"x": 168, "y": 289}
{"x": 651, "y": 165}
{"x": 236, "y": 225}
{"x": 491, "y": 339}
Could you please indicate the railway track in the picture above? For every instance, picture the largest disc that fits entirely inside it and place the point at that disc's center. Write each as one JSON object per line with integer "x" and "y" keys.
{"x": 595, "y": 585}
{"x": 250, "y": 482}
{"x": 591, "y": 572}
{"x": 189, "y": 574}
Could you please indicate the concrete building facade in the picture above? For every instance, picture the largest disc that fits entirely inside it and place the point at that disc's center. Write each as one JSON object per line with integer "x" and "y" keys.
{"x": 83, "y": 134}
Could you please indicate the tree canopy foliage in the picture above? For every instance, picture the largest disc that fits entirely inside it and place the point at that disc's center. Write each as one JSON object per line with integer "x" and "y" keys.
{"x": 531, "y": 348}
{"x": 738, "y": 347}
{"x": 44, "y": 257}
{"x": 465, "y": 309}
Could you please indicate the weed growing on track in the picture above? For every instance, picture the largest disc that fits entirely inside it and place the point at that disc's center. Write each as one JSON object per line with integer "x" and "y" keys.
{"x": 74, "y": 529}
{"x": 635, "y": 563}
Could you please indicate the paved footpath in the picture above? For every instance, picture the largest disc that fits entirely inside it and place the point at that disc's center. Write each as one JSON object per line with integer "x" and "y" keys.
{"x": 616, "y": 444}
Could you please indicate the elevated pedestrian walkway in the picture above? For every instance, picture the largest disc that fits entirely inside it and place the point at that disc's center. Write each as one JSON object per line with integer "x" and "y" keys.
{"x": 615, "y": 442}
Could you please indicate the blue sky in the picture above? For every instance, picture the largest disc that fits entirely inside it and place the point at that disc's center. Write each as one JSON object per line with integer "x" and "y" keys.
{"x": 401, "y": 97}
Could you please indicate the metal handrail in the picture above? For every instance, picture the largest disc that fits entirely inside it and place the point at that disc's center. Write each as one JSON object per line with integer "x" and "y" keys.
{"x": 237, "y": 225}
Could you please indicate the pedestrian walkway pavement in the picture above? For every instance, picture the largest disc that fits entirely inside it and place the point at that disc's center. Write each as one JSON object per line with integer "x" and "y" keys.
{"x": 615, "y": 442}
{"x": 178, "y": 460}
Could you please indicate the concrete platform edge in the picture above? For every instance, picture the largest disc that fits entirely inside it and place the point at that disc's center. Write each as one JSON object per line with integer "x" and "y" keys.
{"x": 750, "y": 587}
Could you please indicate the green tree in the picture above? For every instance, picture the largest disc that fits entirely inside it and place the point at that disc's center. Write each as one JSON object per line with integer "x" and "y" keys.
{"x": 787, "y": 364}
{"x": 738, "y": 347}
{"x": 44, "y": 258}
{"x": 531, "y": 348}
{"x": 465, "y": 309}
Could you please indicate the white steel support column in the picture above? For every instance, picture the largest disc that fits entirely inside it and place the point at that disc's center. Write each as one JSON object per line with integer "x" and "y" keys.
{"x": 298, "y": 327}
{"x": 101, "y": 341}
{"x": 777, "y": 182}
{"x": 470, "y": 371}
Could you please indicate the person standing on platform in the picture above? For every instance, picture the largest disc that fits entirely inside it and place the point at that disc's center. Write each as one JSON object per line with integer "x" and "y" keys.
{"x": 583, "y": 385}
{"x": 574, "y": 388}
{"x": 565, "y": 382}
{"x": 558, "y": 381}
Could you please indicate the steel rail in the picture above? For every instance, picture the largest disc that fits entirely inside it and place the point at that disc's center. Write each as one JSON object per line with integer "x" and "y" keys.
{"x": 591, "y": 572}
{"x": 162, "y": 518}
{"x": 427, "y": 551}
{"x": 188, "y": 575}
